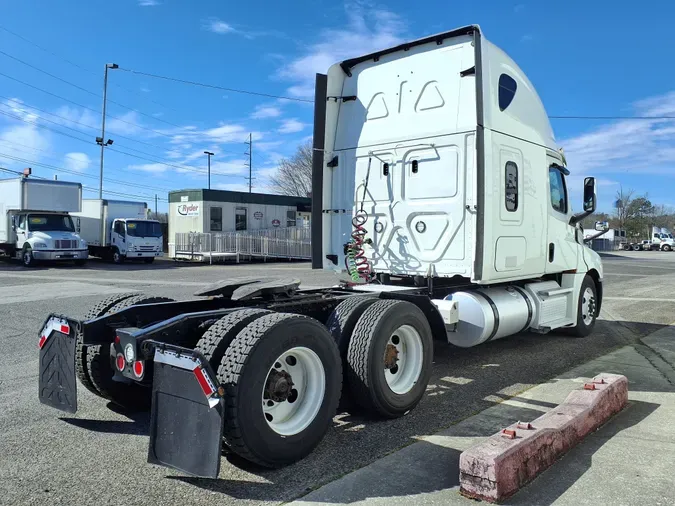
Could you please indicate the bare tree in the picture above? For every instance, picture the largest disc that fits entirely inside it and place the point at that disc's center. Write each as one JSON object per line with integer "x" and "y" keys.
{"x": 294, "y": 174}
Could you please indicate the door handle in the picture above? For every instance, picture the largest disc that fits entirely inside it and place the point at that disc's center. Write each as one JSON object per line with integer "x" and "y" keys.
{"x": 551, "y": 252}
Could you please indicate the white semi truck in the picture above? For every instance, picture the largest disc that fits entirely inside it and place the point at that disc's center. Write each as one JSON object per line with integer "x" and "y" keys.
{"x": 438, "y": 189}
{"x": 118, "y": 230}
{"x": 36, "y": 222}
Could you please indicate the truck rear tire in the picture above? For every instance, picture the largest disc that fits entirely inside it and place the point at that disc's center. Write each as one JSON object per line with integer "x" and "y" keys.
{"x": 97, "y": 311}
{"x": 389, "y": 358}
{"x": 291, "y": 365}
{"x": 218, "y": 337}
{"x": 128, "y": 395}
{"x": 342, "y": 320}
{"x": 587, "y": 309}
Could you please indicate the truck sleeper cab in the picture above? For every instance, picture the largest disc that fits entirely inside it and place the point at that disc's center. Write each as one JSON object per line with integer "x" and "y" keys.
{"x": 435, "y": 176}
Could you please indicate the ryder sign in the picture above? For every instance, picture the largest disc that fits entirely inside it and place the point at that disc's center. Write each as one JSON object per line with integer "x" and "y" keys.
{"x": 188, "y": 210}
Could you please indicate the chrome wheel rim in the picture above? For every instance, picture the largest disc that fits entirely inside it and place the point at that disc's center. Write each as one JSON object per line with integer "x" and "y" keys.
{"x": 588, "y": 306}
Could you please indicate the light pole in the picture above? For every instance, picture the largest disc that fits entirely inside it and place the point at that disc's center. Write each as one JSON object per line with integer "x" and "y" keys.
{"x": 100, "y": 140}
{"x": 209, "y": 155}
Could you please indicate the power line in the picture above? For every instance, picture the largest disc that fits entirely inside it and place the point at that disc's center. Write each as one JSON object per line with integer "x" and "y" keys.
{"x": 90, "y": 189}
{"x": 611, "y": 117}
{"x": 157, "y": 160}
{"x": 216, "y": 87}
{"x": 77, "y": 173}
{"x": 89, "y": 71}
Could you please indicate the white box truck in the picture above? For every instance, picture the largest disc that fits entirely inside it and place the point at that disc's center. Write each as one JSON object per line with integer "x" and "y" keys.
{"x": 117, "y": 230}
{"x": 439, "y": 188}
{"x": 36, "y": 222}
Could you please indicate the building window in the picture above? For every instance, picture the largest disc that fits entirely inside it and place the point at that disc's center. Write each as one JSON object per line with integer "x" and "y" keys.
{"x": 511, "y": 186}
{"x": 240, "y": 218}
{"x": 507, "y": 90}
{"x": 290, "y": 218}
{"x": 216, "y": 214}
{"x": 556, "y": 181}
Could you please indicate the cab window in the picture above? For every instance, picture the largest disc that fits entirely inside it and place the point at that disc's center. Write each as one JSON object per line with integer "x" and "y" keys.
{"x": 22, "y": 222}
{"x": 556, "y": 181}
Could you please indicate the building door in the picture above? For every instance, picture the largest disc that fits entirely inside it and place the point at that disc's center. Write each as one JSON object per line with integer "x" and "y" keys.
{"x": 240, "y": 218}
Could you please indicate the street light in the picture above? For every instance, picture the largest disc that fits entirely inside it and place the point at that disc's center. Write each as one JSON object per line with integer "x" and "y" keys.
{"x": 99, "y": 140}
{"x": 209, "y": 155}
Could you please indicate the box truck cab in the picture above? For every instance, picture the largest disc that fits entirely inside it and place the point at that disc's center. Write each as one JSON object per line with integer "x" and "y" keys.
{"x": 36, "y": 223}
{"x": 117, "y": 230}
{"x": 662, "y": 239}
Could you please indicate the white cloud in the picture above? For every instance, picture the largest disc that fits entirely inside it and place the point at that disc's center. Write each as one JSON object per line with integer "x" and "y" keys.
{"x": 148, "y": 3}
{"x": 216, "y": 25}
{"x": 526, "y": 38}
{"x": 291, "y": 126}
{"x": 367, "y": 30}
{"x": 233, "y": 187}
{"x": 150, "y": 167}
{"x": 145, "y": 89}
{"x": 77, "y": 161}
{"x": 126, "y": 124}
{"x": 519, "y": 8}
{"x": 629, "y": 146}
{"x": 266, "y": 111}
{"x": 16, "y": 139}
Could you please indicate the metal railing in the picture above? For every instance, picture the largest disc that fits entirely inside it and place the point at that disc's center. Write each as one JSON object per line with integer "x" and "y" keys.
{"x": 287, "y": 243}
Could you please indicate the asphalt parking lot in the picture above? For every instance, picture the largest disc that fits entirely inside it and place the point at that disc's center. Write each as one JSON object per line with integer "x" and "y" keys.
{"x": 98, "y": 456}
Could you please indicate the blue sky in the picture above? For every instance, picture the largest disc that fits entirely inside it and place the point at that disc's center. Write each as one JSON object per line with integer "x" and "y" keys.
{"x": 586, "y": 58}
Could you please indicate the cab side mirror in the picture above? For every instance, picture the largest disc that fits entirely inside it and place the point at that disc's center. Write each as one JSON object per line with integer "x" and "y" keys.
{"x": 589, "y": 195}
{"x": 601, "y": 226}
{"x": 13, "y": 223}
{"x": 77, "y": 225}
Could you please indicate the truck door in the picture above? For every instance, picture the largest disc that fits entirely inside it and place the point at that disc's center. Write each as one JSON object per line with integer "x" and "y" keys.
{"x": 118, "y": 236}
{"x": 21, "y": 230}
{"x": 561, "y": 245}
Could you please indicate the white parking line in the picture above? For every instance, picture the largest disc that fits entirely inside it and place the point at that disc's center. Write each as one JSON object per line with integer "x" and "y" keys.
{"x": 45, "y": 291}
{"x": 104, "y": 280}
{"x": 640, "y": 299}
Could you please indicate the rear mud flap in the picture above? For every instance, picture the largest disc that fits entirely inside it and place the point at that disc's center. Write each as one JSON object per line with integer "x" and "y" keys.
{"x": 186, "y": 421}
{"x": 57, "y": 384}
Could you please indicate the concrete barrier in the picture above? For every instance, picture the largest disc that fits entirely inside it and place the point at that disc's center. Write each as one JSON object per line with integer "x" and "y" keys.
{"x": 496, "y": 468}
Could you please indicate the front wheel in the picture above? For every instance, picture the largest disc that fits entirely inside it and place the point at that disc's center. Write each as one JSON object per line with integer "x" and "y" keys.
{"x": 149, "y": 260}
{"x": 666, "y": 247}
{"x": 27, "y": 257}
{"x": 283, "y": 377}
{"x": 117, "y": 257}
{"x": 587, "y": 309}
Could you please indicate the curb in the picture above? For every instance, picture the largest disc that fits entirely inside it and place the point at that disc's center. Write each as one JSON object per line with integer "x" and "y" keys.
{"x": 498, "y": 467}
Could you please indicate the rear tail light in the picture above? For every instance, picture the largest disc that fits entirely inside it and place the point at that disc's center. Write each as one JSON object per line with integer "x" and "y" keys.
{"x": 120, "y": 362}
{"x": 139, "y": 368}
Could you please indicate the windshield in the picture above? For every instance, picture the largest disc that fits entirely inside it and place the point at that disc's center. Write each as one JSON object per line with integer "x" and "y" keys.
{"x": 50, "y": 223}
{"x": 144, "y": 229}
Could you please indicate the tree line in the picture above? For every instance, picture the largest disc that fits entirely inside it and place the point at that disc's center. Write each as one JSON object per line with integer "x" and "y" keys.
{"x": 635, "y": 214}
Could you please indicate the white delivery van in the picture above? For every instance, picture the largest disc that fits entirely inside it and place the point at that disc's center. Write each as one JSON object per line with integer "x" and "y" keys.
{"x": 36, "y": 222}
{"x": 117, "y": 230}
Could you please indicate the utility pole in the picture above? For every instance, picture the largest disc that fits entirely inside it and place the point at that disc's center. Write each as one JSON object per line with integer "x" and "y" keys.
{"x": 100, "y": 140}
{"x": 209, "y": 155}
{"x": 250, "y": 161}
{"x": 155, "y": 205}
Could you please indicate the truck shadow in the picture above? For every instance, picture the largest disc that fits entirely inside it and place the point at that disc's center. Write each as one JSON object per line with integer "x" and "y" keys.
{"x": 464, "y": 382}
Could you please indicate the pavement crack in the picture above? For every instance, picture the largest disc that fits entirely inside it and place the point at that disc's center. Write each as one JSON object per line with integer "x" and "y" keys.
{"x": 657, "y": 361}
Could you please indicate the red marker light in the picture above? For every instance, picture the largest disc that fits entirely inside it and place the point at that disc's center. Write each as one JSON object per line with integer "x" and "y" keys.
{"x": 65, "y": 329}
{"x": 117, "y": 339}
{"x": 139, "y": 367}
{"x": 42, "y": 341}
{"x": 203, "y": 382}
{"x": 120, "y": 362}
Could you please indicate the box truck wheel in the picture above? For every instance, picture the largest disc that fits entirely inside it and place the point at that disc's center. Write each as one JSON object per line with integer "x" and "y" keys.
{"x": 149, "y": 260}
{"x": 117, "y": 257}
{"x": 587, "y": 309}
{"x": 666, "y": 247}
{"x": 99, "y": 368}
{"x": 389, "y": 358}
{"x": 218, "y": 337}
{"x": 97, "y": 311}
{"x": 27, "y": 256}
{"x": 282, "y": 377}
